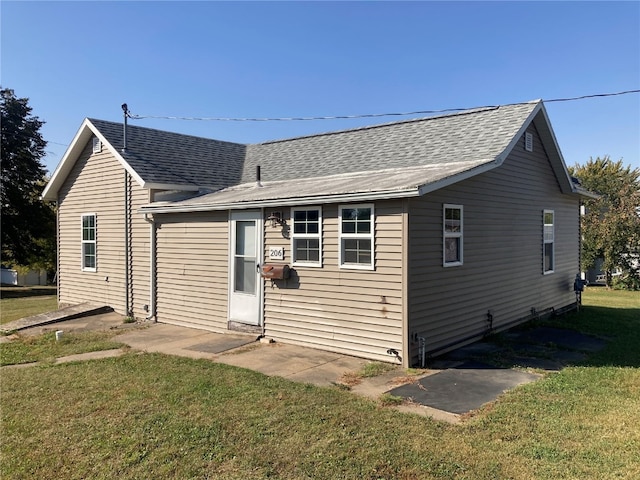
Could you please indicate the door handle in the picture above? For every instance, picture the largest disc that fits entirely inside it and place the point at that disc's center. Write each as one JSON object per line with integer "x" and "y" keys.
{"x": 258, "y": 267}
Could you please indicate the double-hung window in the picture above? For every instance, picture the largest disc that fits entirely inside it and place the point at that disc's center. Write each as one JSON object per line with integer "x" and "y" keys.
{"x": 452, "y": 235}
{"x": 306, "y": 236}
{"x": 548, "y": 241}
{"x": 89, "y": 242}
{"x": 356, "y": 224}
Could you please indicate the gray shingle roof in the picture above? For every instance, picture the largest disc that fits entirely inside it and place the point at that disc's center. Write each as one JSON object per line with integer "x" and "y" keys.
{"x": 392, "y": 159}
{"x": 160, "y": 157}
{"x": 471, "y": 136}
{"x": 467, "y": 138}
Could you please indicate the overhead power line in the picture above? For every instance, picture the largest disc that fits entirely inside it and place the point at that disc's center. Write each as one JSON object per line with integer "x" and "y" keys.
{"x": 369, "y": 115}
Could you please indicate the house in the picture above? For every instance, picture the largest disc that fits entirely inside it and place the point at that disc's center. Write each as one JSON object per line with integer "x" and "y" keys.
{"x": 391, "y": 242}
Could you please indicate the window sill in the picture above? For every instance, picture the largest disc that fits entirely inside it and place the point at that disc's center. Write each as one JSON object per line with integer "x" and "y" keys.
{"x": 357, "y": 267}
{"x": 452, "y": 264}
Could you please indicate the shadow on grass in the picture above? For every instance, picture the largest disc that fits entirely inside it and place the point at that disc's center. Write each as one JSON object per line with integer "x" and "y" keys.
{"x": 25, "y": 292}
{"x": 619, "y": 326}
{"x": 594, "y": 337}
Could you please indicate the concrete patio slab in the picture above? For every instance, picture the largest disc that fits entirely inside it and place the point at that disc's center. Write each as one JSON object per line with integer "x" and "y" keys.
{"x": 460, "y": 390}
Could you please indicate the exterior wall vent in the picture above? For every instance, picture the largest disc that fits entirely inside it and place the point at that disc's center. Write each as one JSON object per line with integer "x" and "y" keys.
{"x": 528, "y": 142}
{"x": 97, "y": 145}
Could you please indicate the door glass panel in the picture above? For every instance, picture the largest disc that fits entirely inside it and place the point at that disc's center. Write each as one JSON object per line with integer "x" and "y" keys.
{"x": 246, "y": 238}
{"x": 245, "y": 275}
{"x": 245, "y": 257}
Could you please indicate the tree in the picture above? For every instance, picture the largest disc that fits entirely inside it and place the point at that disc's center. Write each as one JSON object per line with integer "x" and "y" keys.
{"x": 28, "y": 224}
{"x": 611, "y": 224}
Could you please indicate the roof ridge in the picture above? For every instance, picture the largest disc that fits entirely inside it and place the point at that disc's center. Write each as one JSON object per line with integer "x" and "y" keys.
{"x": 470, "y": 111}
{"x": 92, "y": 120}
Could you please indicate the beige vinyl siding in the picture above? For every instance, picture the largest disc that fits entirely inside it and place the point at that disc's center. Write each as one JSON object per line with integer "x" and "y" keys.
{"x": 193, "y": 269}
{"x": 96, "y": 186}
{"x": 503, "y": 251}
{"x": 355, "y": 312}
{"x": 140, "y": 251}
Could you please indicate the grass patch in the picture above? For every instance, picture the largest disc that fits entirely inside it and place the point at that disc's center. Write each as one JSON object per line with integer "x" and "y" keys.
{"x": 28, "y": 349}
{"x": 19, "y": 302}
{"x": 388, "y": 400}
{"x": 370, "y": 369}
{"x": 157, "y": 416}
{"x": 373, "y": 369}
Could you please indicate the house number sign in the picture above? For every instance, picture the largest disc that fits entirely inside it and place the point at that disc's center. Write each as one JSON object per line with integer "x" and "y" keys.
{"x": 276, "y": 253}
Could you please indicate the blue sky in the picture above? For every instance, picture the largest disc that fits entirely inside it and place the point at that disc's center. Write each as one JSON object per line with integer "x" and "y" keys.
{"x": 280, "y": 59}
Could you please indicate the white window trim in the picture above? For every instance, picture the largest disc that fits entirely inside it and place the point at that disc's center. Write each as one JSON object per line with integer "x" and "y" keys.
{"x": 552, "y": 241}
{"x": 348, "y": 236}
{"x": 94, "y": 241}
{"x": 295, "y": 236}
{"x": 446, "y": 235}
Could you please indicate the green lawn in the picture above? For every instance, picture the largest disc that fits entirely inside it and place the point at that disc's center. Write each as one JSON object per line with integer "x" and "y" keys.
{"x": 18, "y": 302}
{"x": 154, "y": 416}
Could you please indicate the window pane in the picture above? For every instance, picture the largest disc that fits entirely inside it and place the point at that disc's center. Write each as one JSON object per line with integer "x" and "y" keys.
{"x": 299, "y": 215}
{"x": 301, "y": 250}
{"x": 348, "y": 226}
{"x": 357, "y": 251}
{"x": 299, "y": 227}
{"x": 312, "y": 227}
{"x": 363, "y": 214}
{"x": 88, "y": 227}
{"x": 452, "y": 220}
{"x": 348, "y": 214}
{"x": 364, "y": 227}
{"x": 307, "y": 250}
{"x": 452, "y": 214}
{"x": 548, "y": 218}
{"x": 548, "y": 257}
{"x": 89, "y": 255}
{"x": 451, "y": 250}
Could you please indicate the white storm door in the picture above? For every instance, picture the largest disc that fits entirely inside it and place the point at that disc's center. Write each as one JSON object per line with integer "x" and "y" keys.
{"x": 245, "y": 287}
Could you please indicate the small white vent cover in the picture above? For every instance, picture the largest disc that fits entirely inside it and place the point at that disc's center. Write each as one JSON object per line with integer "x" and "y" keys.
{"x": 528, "y": 142}
{"x": 97, "y": 145}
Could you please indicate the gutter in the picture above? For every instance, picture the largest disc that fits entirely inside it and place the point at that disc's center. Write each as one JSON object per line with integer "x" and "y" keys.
{"x": 283, "y": 202}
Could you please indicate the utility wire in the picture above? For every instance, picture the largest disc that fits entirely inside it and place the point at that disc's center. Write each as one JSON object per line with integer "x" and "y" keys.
{"x": 369, "y": 115}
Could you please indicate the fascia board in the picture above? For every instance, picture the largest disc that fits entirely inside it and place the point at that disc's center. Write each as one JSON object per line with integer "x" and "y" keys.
{"x": 170, "y": 186}
{"x": 116, "y": 153}
{"x": 284, "y": 202}
{"x": 69, "y": 158}
{"x": 84, "y": 133}
{"x": 563, "y": 177}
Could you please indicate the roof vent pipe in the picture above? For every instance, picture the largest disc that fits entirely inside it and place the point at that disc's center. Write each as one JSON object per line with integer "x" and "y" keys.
{"x": 258, "y": 183}
{"x": 125, "y": 110}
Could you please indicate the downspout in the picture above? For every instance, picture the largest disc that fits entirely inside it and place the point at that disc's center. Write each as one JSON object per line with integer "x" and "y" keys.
{"x": 127, "y": 220}
{"x": 127, "y": 245}
{"x": 152, "y": 267}
{"x": 57, "y": 276}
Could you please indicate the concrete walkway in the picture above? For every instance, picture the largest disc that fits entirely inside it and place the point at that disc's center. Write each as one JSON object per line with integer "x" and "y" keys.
{"x": 455, "y": 385}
